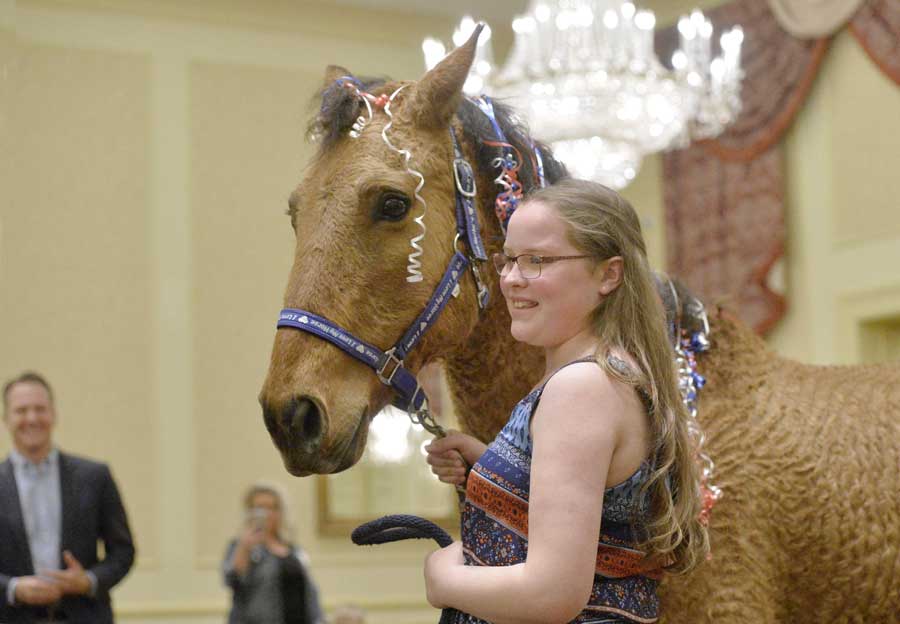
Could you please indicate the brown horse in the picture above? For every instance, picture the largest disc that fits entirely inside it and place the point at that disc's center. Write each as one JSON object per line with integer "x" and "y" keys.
{"x": 808, "y": 529}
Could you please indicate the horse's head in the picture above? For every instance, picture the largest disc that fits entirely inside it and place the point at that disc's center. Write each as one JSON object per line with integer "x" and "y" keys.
{"x": 354, "y": 214}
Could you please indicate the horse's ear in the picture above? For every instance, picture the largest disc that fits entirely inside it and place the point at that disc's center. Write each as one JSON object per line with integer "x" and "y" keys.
{"x": 437, "y": 95}
{"x": 332, "y": 73}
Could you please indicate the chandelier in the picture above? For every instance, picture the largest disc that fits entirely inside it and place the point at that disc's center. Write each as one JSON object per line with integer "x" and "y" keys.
{"x": 585, "y": 75}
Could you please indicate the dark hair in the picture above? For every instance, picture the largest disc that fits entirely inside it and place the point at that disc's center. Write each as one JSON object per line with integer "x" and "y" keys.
{"x": 26, "y": 377}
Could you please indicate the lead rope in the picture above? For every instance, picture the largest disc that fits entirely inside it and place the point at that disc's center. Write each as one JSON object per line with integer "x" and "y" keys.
{"x": 400, "y": 527}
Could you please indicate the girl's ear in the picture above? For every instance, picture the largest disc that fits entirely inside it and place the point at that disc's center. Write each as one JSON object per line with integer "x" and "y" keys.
{"x": 612, "y": 270}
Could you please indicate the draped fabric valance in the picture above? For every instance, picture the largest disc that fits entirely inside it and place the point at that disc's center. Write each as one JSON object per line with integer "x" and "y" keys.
{"x": 724, "y": 198}
{"x": 877, "y": 28}
{"x": 812, "y": 19}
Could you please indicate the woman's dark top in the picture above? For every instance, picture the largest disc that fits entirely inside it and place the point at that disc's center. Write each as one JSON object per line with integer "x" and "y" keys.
{"x": 274, "y": 590}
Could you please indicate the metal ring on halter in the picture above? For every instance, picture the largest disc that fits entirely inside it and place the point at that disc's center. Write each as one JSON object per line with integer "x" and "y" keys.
{"x": 461, "y": 162}
{"x": 455, "y": 246}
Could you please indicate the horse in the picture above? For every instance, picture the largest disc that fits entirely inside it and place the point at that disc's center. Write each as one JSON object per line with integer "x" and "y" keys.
{"x": 391, "y": 232}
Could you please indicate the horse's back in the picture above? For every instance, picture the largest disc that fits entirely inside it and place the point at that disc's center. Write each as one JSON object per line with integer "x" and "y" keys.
{"x": 808, "y": 529}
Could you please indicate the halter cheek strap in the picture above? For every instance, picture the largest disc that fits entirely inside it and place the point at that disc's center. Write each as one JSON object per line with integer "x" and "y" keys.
{"x": 467, "y": 227}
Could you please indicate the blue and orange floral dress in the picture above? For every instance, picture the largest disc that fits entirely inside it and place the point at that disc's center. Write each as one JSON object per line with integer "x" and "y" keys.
{"x": 495, "y": 525}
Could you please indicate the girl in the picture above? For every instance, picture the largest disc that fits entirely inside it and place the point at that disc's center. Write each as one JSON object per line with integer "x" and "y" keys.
{"x": 591, "y": 490}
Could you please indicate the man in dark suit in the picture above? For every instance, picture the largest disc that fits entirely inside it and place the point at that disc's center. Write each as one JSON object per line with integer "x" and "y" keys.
{"x": 54, "y": 507}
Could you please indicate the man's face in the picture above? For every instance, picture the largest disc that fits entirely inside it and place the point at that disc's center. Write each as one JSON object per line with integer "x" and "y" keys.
{"x": 30, "y": 418}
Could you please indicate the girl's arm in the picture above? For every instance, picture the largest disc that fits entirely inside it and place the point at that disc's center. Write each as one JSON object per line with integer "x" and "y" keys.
{"x": 575, "y": 431}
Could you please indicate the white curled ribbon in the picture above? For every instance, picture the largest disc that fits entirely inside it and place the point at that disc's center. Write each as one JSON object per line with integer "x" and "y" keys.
{"x": 414, "y": 268}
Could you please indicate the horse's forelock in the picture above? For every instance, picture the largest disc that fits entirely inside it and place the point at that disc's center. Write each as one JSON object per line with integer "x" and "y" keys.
{"x": 338, "y": 108}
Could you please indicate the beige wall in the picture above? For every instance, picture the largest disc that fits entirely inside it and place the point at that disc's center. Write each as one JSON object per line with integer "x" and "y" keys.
{"x": 842, "y": 269}
{"x": 148, "y": 149}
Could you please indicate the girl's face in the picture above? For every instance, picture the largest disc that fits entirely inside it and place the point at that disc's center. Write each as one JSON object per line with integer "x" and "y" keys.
{"x": 549, "y": 310}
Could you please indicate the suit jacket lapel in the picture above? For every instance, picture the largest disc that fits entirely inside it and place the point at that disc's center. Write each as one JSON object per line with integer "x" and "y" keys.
{"x": 9, "y": 491}
{"x": 69, "y": 503}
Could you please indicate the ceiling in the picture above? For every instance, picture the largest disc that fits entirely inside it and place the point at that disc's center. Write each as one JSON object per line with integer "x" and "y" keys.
{"x": 495, "y": 11}
{"x": 502, "y": 11}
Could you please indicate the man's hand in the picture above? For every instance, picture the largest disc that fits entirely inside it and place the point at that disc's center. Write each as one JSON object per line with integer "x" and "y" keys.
{"x": 34, "y": 590}
{"x": 72, "y": 580}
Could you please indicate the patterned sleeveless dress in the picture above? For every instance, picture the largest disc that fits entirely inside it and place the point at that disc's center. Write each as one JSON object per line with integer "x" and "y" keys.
{"x": 495, "y": 524}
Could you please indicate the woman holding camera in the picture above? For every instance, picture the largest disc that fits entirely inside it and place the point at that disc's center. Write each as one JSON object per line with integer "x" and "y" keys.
{"x": 267, "y": 574}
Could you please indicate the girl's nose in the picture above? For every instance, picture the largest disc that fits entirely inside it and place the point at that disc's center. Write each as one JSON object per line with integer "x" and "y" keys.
{"x": 512, "y": 275}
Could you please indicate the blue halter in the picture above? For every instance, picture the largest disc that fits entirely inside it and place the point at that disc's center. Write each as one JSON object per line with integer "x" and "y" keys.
{"x": 388, "y": 365}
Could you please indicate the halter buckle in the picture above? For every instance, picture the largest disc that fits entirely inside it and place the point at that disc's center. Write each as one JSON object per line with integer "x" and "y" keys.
{"x": 467, "y": 178}
{"x": 390, "y": 360}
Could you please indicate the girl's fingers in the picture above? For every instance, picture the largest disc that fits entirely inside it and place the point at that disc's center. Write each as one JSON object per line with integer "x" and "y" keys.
{"x": 441, "y": 460}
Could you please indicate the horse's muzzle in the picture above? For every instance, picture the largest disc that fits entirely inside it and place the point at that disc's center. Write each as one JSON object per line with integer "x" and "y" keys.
{"x": 297, "y": 427}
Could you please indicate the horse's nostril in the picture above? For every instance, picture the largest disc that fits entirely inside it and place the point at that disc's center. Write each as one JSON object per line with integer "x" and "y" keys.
{"x": 304, "y": 419}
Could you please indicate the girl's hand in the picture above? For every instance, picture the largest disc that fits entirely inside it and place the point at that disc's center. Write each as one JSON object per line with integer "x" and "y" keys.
{"x": 450, "y": 457}
{"x": 439, "y": 567}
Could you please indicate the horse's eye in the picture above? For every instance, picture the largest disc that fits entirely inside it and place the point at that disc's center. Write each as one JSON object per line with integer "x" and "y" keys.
{"x": 392, "y": 207}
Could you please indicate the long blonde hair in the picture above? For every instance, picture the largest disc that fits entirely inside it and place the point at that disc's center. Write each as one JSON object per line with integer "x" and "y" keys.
{"x": 631, "y": 318}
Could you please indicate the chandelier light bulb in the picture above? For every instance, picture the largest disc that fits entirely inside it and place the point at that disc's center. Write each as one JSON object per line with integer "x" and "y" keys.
{"x": 473, "y": 84}
{"x": 610, "y": 19}
{"x": 485, "y": 36}
{"x": 686, "y": 28}
{"x": 584, "y": 15}
{"x": 523, "y": 25}
{"x": 645, "y": 20}
{"x": 462, "y": 34}
{"x": 434, "y": 51}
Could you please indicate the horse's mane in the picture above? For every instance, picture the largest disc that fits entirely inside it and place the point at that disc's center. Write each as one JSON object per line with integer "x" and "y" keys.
{"x": 684, "y": 310}
{"x": 479, "y": 130}
{"x": 339, "y": 108}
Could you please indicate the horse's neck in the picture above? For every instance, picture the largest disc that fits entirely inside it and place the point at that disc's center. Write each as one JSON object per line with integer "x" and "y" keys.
{"x": 492, "y": 371}
{"x": 491, "y": 374}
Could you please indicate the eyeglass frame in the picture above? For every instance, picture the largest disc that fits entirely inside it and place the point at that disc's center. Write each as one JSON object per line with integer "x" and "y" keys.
{"x": 515, "y": 260}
